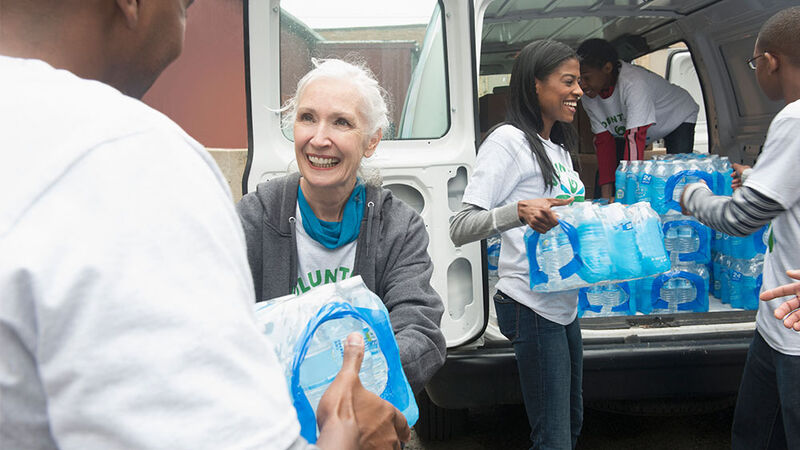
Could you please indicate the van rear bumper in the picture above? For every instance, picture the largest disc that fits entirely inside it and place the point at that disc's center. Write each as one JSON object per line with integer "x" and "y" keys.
{"x": 678, "y": 367}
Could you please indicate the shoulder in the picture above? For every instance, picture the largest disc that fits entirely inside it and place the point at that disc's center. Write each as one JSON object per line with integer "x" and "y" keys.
{"x": 398, "y": 217}
{"x": 506, "y": 138}
{"x": 790, "y": 112}
{"x": 277, "y": 196}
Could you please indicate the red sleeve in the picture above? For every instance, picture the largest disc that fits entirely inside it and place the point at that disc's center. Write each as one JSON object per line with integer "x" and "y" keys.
{"x": 606, "y": 151}
{"x": 635, "y": 139}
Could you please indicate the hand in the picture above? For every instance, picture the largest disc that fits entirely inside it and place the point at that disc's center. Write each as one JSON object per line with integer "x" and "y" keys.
{"x": 336, "y": 417}
{"x": 349, "y": 416}
{"x": 684, "y": 211}
{"x": 788, "y": 310}
{"x": 537, "y": 213}
{"x": 736, "y": 183}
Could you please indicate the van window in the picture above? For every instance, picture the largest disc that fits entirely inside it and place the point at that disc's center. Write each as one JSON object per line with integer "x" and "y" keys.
{"x": 676, "y": 66}
{"x": 402, "y": 43}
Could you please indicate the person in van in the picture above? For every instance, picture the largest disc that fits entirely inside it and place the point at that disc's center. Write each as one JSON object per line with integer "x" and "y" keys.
{"x": 520, "y": 167}
{"x": 126, "y": 317}
{"x": 767, "y": 414}
{"x": 628, "y": 107}
{"x": 327, "y": 223}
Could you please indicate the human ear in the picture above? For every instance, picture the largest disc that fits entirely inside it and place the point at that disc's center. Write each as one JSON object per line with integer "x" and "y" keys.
{"x": 608, "y": 67}
{"x": 130, "y": 11}
{"x": 373, "y": 143}
{"x": 773, "y": 62}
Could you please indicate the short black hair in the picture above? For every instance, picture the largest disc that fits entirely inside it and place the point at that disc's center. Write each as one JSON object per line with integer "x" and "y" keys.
{"x": 781, "y": 34}
{"x": 597, "y": 52}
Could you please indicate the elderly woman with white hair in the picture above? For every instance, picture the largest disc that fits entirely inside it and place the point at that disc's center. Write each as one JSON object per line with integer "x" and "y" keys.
{"x": 326, "y": 223}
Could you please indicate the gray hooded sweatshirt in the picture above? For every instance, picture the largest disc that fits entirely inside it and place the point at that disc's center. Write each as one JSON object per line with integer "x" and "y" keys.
{"x": 391, "y": 257}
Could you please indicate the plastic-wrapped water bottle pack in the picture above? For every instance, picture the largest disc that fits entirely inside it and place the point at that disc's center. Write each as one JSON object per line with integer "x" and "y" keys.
{"x": 308, "y": 334}
{"x": 594, "y": 245}
{"x": 661, "y": 181}
{"x": 736, "y": 268}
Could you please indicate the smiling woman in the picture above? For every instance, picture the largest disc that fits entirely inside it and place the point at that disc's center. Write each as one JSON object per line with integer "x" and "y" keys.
{"x": 523, "y": 168}
{"x": 325, "y": 219}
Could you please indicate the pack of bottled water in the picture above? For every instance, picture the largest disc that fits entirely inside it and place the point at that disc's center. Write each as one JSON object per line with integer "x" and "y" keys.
{"x": 686, "y": 239}
{"x": 308, "y": 333}
{"x": 596, "y": 245}
{"x": 614, "y": 299}
{"x": 682, "y": 289}
{"x": 737, "y": 266}
{"x": 660, "y": 181}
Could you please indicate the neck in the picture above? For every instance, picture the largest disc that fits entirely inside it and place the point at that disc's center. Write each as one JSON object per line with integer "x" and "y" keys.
{"x": 547, "y": 127}
{"x": 327, "y": 203}
{"x": 791, "y": 83}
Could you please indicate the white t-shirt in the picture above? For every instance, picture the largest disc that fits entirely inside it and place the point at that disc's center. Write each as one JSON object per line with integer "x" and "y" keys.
{"x": 126, "y": 318}
{"x": 775, "y": 175}
{"x": 318, "y": 264}
{"x": 506, "y": 172}
{"x": 641, "y": 98}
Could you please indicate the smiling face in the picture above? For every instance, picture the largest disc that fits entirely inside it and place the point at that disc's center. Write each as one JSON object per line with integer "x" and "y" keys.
{"x": 558, "y": 93}
{"x": 330, "y": 137}
{"x": 595, "y": 79}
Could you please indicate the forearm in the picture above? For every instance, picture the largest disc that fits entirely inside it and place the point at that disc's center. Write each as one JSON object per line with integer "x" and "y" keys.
{"x": 606, "y": 151}
{"x": 473, "y": 223}
{"x": 739, "y": 215}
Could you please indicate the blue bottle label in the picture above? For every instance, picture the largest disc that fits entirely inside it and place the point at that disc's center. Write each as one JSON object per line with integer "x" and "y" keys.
{"x": 646, "y": 178}
{"x": 735, "y": 276}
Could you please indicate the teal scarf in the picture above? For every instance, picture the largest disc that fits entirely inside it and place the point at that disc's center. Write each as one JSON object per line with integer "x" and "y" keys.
{"x": 335, "y": 234}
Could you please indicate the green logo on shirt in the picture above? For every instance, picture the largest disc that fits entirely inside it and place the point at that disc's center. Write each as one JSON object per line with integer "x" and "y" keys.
{"x": 317, "y": 278}
{"x": 569, "y": 183}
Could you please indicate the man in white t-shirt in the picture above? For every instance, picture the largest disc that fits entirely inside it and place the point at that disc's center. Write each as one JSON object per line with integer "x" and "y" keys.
{"x": 633, "y": 106}
{"x": 126, "y": 316}
{"x": 768, "y": 407}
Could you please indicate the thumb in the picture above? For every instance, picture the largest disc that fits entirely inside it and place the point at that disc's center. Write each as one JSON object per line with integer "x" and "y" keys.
{"x": 560, "y": 201}
{"x": 353, "y": 353}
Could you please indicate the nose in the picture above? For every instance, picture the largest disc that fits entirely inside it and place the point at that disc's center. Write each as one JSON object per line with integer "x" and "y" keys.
{"x": 578, "y": 90}
{"x": 321, "y": 137}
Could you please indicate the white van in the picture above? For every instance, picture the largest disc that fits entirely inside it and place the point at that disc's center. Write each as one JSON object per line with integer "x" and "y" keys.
{"x": 445, "y": 64}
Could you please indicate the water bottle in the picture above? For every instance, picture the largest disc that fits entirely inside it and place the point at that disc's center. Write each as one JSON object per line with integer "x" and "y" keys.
{"x": 718, "y": 266}
{"x": 644, "y": 295}
{"x": 622, "y": 245}
{"x": 593, "y": 245}
{"x": 736, "y": 286}
{"x": 649, "y": 239}
{"x": 492, "y": 259}
{"x": 632, "y": 181}
{"x": 688, "y": 240}
{"x": 725, "y": 279}
{"x": 677, "y": 167}
{"x": 670, "y": 238}
{"x": 726, "y": 170}
{"x": 644, "y": 180}
{"x": 619, "y": 181}
{"x": 750, "y": 284}
{"x": 661, "y": 172}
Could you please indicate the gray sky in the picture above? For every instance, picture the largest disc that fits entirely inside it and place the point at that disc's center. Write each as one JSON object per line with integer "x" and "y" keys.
{"x": 358, "y": 13}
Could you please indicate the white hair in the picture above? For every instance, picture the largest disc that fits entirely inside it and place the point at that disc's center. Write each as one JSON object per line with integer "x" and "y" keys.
{"x": 373, "y": 96}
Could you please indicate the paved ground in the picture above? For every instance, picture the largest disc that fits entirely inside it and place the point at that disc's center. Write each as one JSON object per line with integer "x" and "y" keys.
{"x": 506, "y": 428}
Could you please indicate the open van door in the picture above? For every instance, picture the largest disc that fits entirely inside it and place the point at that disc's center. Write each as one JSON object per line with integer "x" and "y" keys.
{"x": 427, "y": 155}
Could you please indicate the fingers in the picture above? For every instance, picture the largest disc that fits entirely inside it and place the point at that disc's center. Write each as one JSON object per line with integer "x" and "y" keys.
{"x": 786, "y": 307}
{"x": 353, "y": 353}
{"x": 560, "y": 201}
{"x": 781, "y": 291}
{"x": 794, "y": 274}
{"x": 792, "y": 321}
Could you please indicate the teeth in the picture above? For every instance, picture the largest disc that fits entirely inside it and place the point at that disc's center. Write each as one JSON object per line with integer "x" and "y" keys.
{"x": 324, "y": 163}
{"x": 573, "y": 104}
